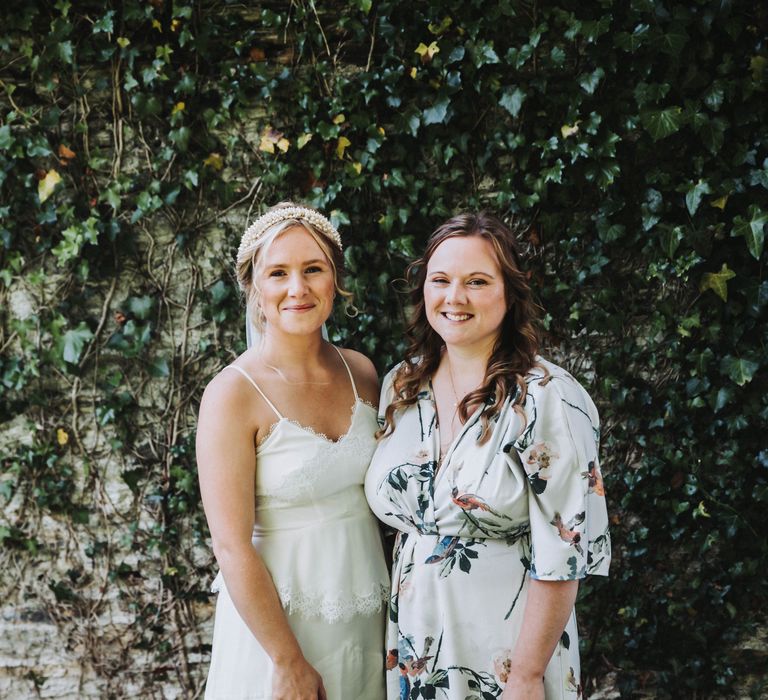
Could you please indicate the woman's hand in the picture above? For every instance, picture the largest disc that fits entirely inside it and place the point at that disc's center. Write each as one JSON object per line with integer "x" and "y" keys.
{"x": 520, "y": 688}
{"x": 297, "y": 680}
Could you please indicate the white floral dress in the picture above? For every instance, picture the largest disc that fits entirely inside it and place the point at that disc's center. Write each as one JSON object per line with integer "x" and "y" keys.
{"x": 527, "y": 504}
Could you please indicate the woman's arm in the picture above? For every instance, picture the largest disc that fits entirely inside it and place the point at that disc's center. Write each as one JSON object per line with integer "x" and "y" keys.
{"x": 549, "y": 605}
{"x": 226, "y": 468}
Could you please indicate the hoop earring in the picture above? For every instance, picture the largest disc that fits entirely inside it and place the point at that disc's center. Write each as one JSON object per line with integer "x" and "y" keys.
{"x": 351, "y": 311}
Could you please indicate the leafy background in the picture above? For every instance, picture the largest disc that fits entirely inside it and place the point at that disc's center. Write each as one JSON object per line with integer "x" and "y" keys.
{"x": 137, "y": 138}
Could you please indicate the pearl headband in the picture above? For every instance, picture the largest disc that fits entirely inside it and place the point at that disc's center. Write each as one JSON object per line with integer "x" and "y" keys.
{"x": 265, "y": 221}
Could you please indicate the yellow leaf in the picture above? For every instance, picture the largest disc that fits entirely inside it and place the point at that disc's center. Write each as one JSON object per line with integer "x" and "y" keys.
{"x": 720, "y": 202}
{"x": 215, "y": 161}
{"x": 413, "y": 72}
{"x": 303, "y": 140}
{"x": 157, "y": 25}
{"x": 439, "y": 29}
{"x": 339, "y": 119}
{"x": 175, "y": 24}
{"x": 427, "y": 52}
{"x": 123, "y": 41}
{"x": 567, "y": 130}
{"x": 357, "y": 167}
{"x": 381, "y": 130}
{"x": 178, "y": 107}
{"x": 46, "y": 186}
{"x": 61, "y": 437}
{"x": 342, "y": 145}
{"x": 701, "y": 511}
{"x": 717, "y": 281}
{"x": 270, "y": 138}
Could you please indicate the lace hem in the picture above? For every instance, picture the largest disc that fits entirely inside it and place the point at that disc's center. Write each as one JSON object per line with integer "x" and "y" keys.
{"x": 319, "y": 605}
{"x": 333, "y": 610}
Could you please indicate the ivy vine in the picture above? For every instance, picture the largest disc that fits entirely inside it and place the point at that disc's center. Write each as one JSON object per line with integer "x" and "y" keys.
{"x": 138, "y": 137}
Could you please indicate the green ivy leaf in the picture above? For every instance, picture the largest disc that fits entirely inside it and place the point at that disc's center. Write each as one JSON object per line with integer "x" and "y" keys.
{"x": 651, "y": 209}
{"x": 632, "y": 42}
{"x": 694, "y": 195}
{"x": 483, "y": 53}
{"x": 512, "y": 100}
{"x": 74, "y": 341}
{"x": 159, "y": 367}
{"x": 6, "y": 137}
{"x": 712, "y": 133}
{"x": 714, "y": 96}
{"x": 673, "y": 42}
{"x": 738, "y": 369}
{"x": 660, "y": 123}
{"x": 180, "y": 137}
{"x": 590, "y": 81}
{"x": 671, "y": 237}
{"x": 753, "y": 230}
{"x": 64, "y": 49}
{"x": 437, "y": 112}
{"x": 105, "y": 24}
{"x": 140, "y": 307}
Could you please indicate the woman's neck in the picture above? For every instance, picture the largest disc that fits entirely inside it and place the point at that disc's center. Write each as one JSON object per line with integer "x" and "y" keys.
{"x": 466, "y": 367}
{"x": 297, "y": 353}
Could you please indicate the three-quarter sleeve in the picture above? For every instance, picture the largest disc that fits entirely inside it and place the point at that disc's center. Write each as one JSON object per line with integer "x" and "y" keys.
{"x": 558, "y": 451}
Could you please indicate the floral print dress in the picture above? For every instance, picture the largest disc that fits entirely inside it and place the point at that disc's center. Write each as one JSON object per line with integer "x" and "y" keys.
{"x": 526, "y": 504}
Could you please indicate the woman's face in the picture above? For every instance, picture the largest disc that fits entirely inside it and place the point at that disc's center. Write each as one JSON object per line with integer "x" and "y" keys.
{"x": 464, "y": 293}
{"x": 296, "y": 283}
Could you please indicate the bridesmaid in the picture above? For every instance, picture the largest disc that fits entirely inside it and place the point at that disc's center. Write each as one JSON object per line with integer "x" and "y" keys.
{"x": 284, "y": 438}
{"x": 487, "y": 467}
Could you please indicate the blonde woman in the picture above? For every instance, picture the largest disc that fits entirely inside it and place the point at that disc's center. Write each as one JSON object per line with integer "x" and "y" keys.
{"x": 284, "y": 438}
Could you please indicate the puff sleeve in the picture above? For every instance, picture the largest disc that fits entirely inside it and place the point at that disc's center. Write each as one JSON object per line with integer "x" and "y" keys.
{"x": 558, "y": 451}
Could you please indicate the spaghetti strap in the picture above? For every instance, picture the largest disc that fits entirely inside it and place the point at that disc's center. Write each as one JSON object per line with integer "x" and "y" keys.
{"x": 349, "y": 372}
{"x": 256, "y": 386}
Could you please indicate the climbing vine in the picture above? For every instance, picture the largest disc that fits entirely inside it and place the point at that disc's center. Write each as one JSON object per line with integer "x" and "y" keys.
{"x": 138, "y": 137}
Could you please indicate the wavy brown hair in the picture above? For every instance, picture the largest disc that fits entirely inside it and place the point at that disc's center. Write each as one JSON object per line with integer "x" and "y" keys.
{"x": 515, "y": 350}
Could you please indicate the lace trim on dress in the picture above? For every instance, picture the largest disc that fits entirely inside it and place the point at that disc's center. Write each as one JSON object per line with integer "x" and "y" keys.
{"x": 333, "y": 609}
{"x": 312, "y": 431}
{"x": 341, "y": 609}
{"x": 301, "y": 483}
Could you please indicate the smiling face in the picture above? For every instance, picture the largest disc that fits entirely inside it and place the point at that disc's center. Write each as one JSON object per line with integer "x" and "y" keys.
{"x": 464, "y": 293}
{"x": 296, "y": 283}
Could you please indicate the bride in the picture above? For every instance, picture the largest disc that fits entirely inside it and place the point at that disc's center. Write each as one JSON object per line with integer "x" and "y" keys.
{"x": 285, "y": 435}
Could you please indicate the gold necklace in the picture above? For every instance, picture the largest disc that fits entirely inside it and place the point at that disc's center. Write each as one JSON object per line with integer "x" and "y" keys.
{"x": 453, "y": 386}
{"x": 290, "y": 382}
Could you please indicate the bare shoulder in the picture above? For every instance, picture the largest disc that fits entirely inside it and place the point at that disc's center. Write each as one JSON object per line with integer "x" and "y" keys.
{"x": 229, "y": 402}
{"x": 226, "y": 391}
{"x": 365, "y": 375}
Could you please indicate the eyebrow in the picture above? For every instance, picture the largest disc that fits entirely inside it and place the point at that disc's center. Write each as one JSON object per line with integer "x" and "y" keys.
{"x": 306, "y": 262}
{"x": 471, "y": 274}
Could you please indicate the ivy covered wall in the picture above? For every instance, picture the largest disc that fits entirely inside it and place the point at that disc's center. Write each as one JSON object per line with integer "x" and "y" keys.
{"x": 137, "y": 138}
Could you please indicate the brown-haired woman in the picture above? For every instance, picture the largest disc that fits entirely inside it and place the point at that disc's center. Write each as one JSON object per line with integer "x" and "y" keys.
{"x": 487, "y": 466}
{"x": 284, "y": 438}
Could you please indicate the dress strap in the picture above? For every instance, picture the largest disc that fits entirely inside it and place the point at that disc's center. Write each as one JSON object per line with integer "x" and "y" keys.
{"x": 349, "y": 372}
{"x": 256, "y": 386}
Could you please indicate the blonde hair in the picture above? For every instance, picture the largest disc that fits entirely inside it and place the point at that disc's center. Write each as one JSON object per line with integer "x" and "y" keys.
{"x": 251, "y": 262}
